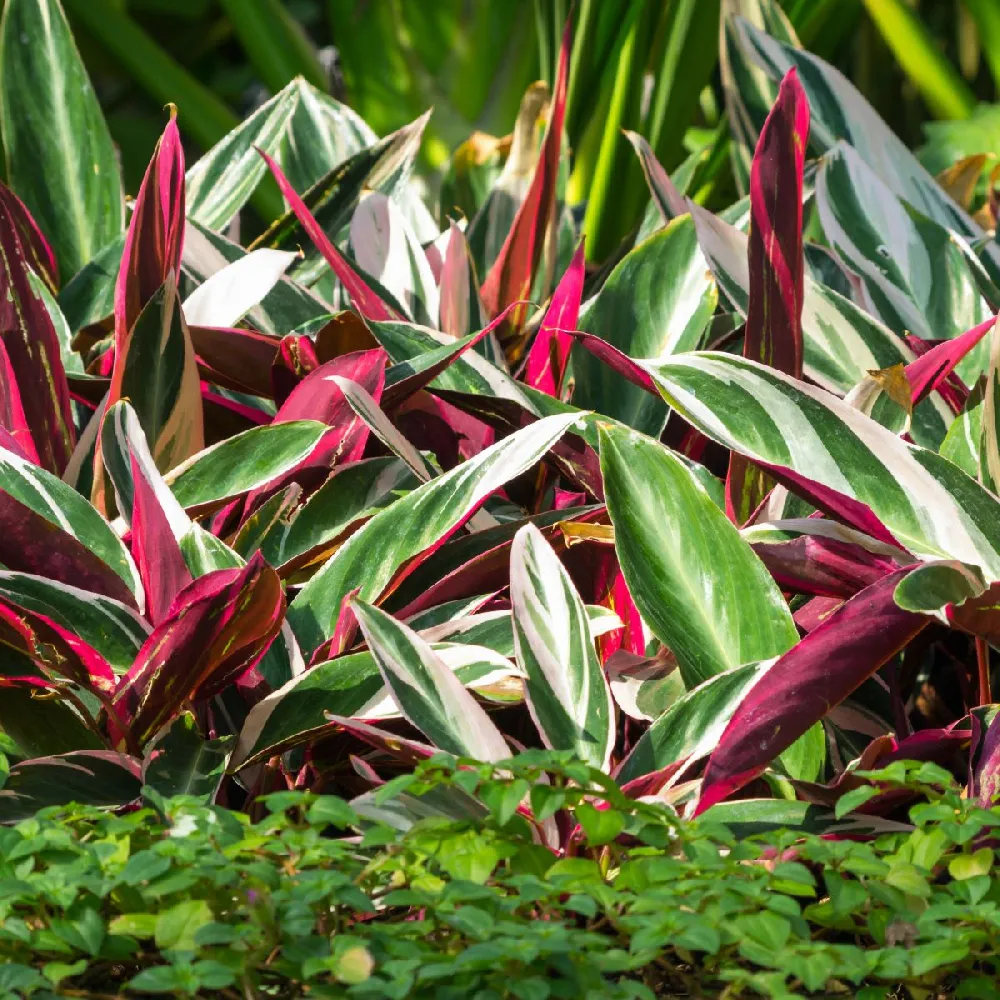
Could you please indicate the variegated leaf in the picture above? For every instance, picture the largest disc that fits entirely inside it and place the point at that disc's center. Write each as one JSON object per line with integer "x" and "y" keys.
{"x": 228, "y": 295}
{"x": 419, "y": 522}
{"x": 645, "y": 317}
{"x": 427, "y": 691}
{"x": 702, "y": 590}
{"x": 565, "y": 687}
{"x": 837, "y": 457}
{"x": 60, "y": 158}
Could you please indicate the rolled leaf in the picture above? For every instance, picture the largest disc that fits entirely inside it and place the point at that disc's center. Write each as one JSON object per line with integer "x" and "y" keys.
{"x": 929, "y": 371}
{"x": 549, "y": 352}
{"x": 989, "y": 440}
{"x": 668, "y": 200}
{"x": 567, "y": 693}
{"x": 155, "y": 239}
{"x": 460, "y": 308}
{"x": 776, "y": 266}
{"x": 511, "y": 276}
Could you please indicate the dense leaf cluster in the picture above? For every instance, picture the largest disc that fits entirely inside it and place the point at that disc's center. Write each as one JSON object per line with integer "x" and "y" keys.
{"x": 719, "y": 517}
{"x": 316, "y": 898}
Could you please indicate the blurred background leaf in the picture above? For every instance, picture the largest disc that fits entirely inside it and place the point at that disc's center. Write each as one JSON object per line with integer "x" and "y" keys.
{"x": 930, "y": 67}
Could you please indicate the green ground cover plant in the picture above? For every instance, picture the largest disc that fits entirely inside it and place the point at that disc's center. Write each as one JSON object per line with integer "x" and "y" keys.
{"x": 317, "y": 898}
{"x": 714, "y": 512}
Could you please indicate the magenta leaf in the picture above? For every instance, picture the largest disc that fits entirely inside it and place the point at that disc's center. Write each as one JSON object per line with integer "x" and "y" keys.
{"x": 218, "y": 628}
{"x": 804, "y": 684}
{"x": 549, "y": 353}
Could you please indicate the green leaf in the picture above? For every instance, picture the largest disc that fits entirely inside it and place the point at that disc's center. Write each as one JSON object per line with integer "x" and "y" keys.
{"x": 936, "y": 586}
{"x": 966, "y": 866}
{"x": 918, "y": 52}
{"x": 221, "y": 182}
{"x": 989, "y": 439}
{"x": 370, "y": 558}
{"x": 645, "y": 317}
{"x": 851, "y": 800}
{"x": 44, "y": 728}
{"x": 600, "y": 825}
{"x": 306, "y": 131}
{"x": 565, "y": 687}
{"x": 60, "y": 159}
{"x": 176, "y": 927}
{"x": 138, "y": 925}
{"x": 672, "y": 542}
{"x": 180, "y": 761}
{"x": 277, "y": 46}
{"x": 89, "y": 296}
{"x": 243, "y": 462}
{"x": 427, "y": 691}
{"x": 353, "y": 494}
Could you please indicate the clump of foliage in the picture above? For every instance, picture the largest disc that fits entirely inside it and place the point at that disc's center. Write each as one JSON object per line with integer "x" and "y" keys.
{"x": 319, "y": 899}
{"x": 720, "y": 518}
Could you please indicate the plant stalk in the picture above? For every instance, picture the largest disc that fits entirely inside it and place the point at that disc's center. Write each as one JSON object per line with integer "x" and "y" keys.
{"x": 983, "y": 662}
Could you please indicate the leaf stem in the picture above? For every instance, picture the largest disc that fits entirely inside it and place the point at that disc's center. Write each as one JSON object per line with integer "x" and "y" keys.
{"x": 983, "y": 661}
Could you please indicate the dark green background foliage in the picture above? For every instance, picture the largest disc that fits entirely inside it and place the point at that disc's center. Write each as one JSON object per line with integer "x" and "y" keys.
{"x": 472, "y": 59}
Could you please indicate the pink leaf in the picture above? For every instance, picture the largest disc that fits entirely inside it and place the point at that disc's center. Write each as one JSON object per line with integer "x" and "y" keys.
{"x": 367, "y": 303}
{"x": 217, "y": 628}
{"x": 513, "y": 272}
{"x": 546, "y": 366}
{"x": 776, "y": 266}
{"x": 804, "y": 684}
